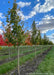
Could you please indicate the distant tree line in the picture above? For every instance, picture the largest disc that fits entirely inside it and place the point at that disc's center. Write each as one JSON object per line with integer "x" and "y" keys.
{"x": 36, "y": 38}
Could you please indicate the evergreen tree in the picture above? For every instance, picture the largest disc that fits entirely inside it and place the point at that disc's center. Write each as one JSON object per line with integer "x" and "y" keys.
{"x": 39, "y": 37}
{"x": 34, "y": 32}
{"x": 45, "y": 39}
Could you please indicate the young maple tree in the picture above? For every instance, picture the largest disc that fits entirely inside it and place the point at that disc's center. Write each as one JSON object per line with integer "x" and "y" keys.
{"x": 14, "y": 29}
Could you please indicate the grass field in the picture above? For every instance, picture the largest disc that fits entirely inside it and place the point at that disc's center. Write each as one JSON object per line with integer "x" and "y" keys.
{"x": 5, "y": 53}
{"x": 11, "y": 65}
{"x": 47, "y": 66}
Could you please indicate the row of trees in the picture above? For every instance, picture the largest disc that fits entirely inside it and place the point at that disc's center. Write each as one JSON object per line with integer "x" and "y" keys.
{"x": 14, "y": 31}
{"x": 36, "y": 38}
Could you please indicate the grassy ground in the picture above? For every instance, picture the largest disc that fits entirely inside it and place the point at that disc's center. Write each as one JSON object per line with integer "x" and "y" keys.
{"x": 47, "y": 66}
{"x": 11, "y": 65}
{"x": 22, "y": 51}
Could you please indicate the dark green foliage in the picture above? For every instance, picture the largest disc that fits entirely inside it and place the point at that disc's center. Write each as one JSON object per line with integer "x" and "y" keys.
{"x": 34, "y": 32}
{"x": 39, "y": 37}
{"x": 36, "y": 37}
{"x": 46, "y": 41}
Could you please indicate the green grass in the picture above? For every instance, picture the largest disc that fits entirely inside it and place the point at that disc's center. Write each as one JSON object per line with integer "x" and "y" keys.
{"x": 47, "y": 66}
{"x": 13, "y": 64}
{"x": 15, "y": 53}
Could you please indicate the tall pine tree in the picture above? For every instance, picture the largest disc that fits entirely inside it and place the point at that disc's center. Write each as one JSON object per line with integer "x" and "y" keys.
{"x": 34, "y": 33}
{"x": 39, "y": 37}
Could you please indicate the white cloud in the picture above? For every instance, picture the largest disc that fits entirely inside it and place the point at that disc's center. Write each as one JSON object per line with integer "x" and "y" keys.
{"x": 0, "y": 23}
{"x": 46, "y": 24}
{"x": 1, "y": 16}
{"x": 48, "y": 17}
{"x": 23, "y": 4}
{"x": 1, "y": 31}
{"x": 38, "y": 0}
{"x": 26, "y": 17}
{"x": 51, "y": 37}
{"x": 38, "y": 8}
{"x": 46, "y": 30}
{"x": 53, "y": 34}
{"x": 30, "y": 15}
{"x": 20, "y": 13}
{"x": 47, "y": 6}
{"x": 52, "y": 40}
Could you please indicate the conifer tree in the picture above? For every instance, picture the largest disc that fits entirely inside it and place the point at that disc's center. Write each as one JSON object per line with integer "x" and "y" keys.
{"x": 34, "y": 32}
{"x": 39, "y": 37}
{"x": 45, "y": 39}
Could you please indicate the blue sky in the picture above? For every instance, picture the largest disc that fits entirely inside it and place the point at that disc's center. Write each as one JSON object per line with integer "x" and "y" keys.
{"x": 42, "y": 11}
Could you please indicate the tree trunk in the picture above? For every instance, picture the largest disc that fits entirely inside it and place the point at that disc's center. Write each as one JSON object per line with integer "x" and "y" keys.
{"x": 35, "y": 51}
{"x": 9, "y": 53}
{"x": 18, "y": 62}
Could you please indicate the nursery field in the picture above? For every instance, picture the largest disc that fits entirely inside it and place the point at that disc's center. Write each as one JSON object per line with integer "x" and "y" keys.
{"x": 29, "y": 59}
{"x": 47, "y": 65}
